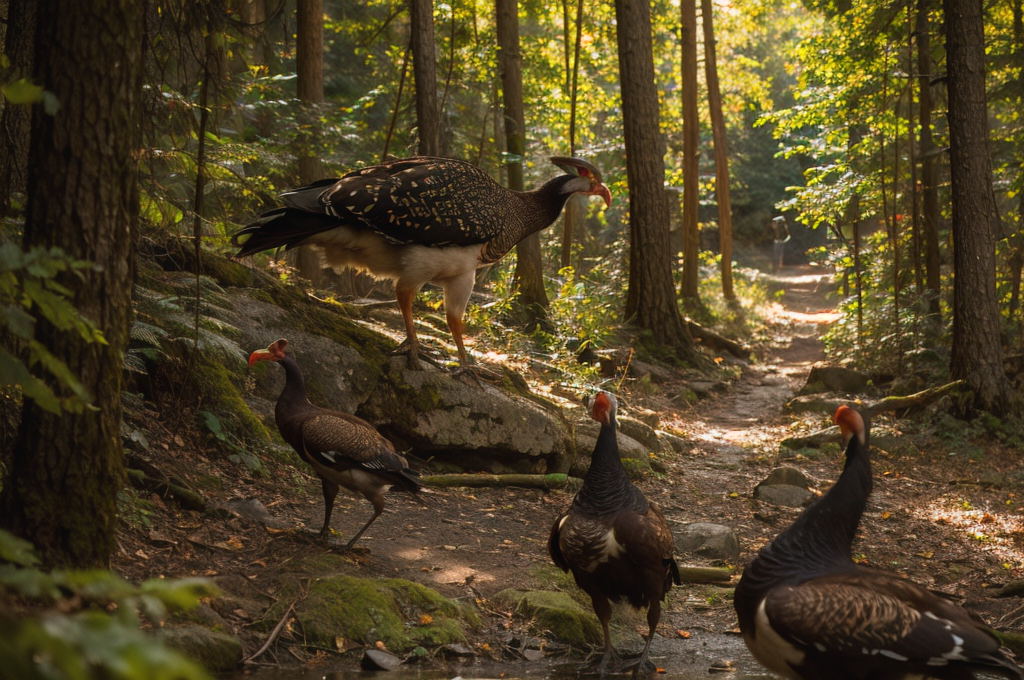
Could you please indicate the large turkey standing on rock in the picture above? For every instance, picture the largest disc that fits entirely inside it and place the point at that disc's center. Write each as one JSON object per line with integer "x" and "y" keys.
{"x": 346, "y": 451}
{"x": 417, "y": 221}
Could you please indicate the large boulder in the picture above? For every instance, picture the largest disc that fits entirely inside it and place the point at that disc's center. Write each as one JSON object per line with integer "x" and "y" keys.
{"x": 215, "y": 651}
{"x": 429, "y": 413}
{"x": 556, "y": 614}
{"x": 824, "y": 378}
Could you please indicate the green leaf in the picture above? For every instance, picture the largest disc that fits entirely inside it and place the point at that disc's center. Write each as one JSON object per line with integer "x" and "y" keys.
{"x": 212, "y": 423}
{"x": 22, "y": 91}
{"x": 19, "y": 322}
{"x": 17, "y": 550}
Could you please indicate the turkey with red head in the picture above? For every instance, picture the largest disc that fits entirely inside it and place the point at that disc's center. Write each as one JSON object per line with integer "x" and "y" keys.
{"x": 808, "y": 612}
{"x": 615, "y": 542}
{"x": 346, "y": 452}
{"x": 416, "y": 221}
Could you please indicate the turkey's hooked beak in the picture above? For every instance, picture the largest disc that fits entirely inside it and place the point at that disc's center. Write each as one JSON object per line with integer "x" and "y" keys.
{"x": 602, "y": 191}
{"x": 261, "y": 355}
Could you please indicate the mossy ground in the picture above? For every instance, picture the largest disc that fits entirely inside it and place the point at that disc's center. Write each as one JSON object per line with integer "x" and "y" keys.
{"x": 399, "y": 613}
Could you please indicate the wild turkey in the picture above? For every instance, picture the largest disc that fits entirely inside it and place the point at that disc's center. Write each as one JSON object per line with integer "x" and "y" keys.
{"x": 346, "y": 451}
{"x": 808, "y": 612}
{"x": 417, "y": 221}
{"x": 616, "y": 543}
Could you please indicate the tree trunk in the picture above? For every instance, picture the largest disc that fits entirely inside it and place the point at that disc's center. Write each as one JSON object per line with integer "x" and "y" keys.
{"x": 424, "y": 69}
{"x": 309, "y": 71}
{"x": 532, "y": 299}
{"x": 929, "y": 157}
{"x": 1017, "y": 241}
{"x": 691, "y": 154}
{"x": 650, "y": 300}
{"x": 82, "y": 196}
{"x": 977, "y": 354}
{"x": 721, "y": 150}
{"x": 19, "y": 46}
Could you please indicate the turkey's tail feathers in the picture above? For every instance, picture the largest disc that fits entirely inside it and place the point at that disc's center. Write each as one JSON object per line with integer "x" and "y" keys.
{"x": 286, "y": 227}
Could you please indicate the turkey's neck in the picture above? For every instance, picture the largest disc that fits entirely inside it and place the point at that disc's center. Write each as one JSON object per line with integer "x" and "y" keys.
{"x": 293, "y": 403}
{"x": 606, "y": 487}
{"x": 817, "y": 543}
{"x": 530, "y": 211}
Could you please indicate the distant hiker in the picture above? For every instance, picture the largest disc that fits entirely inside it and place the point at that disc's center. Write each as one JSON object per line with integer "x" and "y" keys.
{"x": 780, "y": 236}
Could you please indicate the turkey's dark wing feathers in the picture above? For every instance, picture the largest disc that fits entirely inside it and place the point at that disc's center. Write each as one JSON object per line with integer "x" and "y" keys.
{"x": 554, "y": 549}
{"x": 873, "y": 613}
{"x": 428, "y": 201}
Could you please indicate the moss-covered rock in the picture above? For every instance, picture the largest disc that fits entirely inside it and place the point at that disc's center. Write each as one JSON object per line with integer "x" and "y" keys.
{"x": 401, "y": 614}
{"x": 555, "y": 613}
{"x": 216, "y": 651}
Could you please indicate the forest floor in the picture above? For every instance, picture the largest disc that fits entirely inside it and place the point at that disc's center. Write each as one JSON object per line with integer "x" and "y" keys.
{"x": 944, "y": 512}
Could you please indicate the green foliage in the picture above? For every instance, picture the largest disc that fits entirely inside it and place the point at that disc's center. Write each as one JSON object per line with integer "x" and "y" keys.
{"x": 29, "y": 290}
{"x": 83, "y": 625}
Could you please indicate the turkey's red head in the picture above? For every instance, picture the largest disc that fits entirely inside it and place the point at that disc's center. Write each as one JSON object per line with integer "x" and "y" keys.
{"x": 602, "y": 407}
{"x": 850, "y": 423}
{"x": 582, "y": 168}
{"x": 273, "y": 353}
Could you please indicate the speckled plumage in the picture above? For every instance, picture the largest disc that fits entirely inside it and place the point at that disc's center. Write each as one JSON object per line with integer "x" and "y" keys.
{"x": 344, "y": 450}
{"x": 808, "y": 612}
{"x": 418, "y": 220}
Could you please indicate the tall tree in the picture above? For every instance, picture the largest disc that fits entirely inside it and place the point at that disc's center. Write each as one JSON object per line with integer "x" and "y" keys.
{"x": 82, "y": 197}
{"x": 691, "y": 153}
{"x": 977, "y": 353}
{"x": 19, "y": 48}
{"x": 929, "y": 157}
{"x": 309, "y": 72}
{"x": 424, "y": 69}
{"x": 721, "y": 150}
{"x": 532, "y": 299}
{"x": 650, "y": 300}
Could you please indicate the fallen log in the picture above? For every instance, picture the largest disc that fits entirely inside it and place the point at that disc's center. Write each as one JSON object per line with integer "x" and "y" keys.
{"x": 690, "y": 574}
{"x": 147, "y": 477}
{"x": 549, "y": 481}
{"x": 917, "y": 400}
{"x": 718, "y": 342}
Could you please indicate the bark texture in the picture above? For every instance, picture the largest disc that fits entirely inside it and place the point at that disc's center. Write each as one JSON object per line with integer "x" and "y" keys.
{"x": 424, "y": 69}
{"x": 532, "y": 299}
{"x": 721, "y": 150}
{"x": 691, "y": 152}
{"x": 19, "y": 46}
{"x": 977, "y": 354}
{"x": 650, "y": 301}
{"x": 309, "y": 71}
{"x": 82, "y": 196}
{"x": 929, "y": 158}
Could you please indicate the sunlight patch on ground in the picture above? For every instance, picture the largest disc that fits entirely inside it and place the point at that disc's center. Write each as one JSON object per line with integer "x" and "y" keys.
{"x": 993, "y": 530}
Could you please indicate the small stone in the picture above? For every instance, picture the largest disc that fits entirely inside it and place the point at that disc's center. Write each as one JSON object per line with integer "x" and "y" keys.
{"x": 377, "y": 660}
{"x": 787, "y": 475}
{"x": 783, "y": 494}
{"x": 214, "y": 651}
{"x": 678, "y": 444}
{"x": 714, "y": 541}
{"x": 533, "y": 654}
{"x": 456, "y": 649}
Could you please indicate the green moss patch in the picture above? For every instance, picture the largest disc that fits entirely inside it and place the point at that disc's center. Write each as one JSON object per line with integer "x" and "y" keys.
{"x": 399, "y": 613}
{"x": 555, "y": 613}
{"x": 220, "y": 394}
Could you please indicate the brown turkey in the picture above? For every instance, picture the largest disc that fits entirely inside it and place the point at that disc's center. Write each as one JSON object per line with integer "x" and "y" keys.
{"x": 616, "y": 543}
{"x": 346, "y": 451}
{"x": 808, "y": 612}
{"x": 416, "y": 221}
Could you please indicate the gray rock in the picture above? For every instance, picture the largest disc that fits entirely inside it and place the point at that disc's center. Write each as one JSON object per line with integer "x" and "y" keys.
{"x": 824, "y": 378}
{"x": 677, "y": 443}
{"x": 782, "y": 494}
{"x": 378, "y": 660}
{"x": 714, "y": 541}
{"x": 640, "y": 431}
{"x": 253, "y": 510}
{"x": 217, "y": 652}
{"x": 429, "y": 413}
{"x": 787, "y": 475}
{"x": 814, "y": 440}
